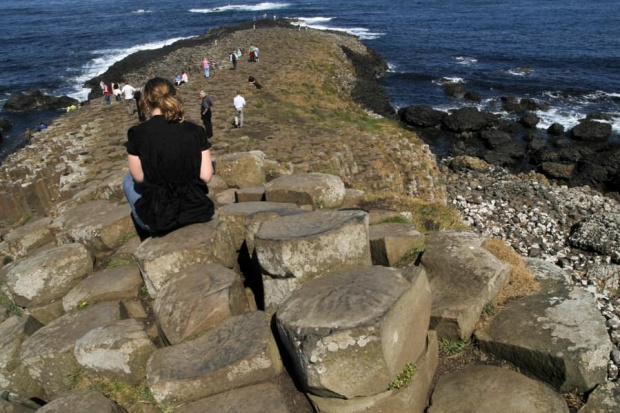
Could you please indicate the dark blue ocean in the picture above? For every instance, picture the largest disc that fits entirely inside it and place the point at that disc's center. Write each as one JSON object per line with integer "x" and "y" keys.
{"x": 571, "y": 47}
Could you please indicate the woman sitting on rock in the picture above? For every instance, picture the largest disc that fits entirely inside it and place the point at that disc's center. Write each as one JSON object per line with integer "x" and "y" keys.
{"x": 169, "y": 165}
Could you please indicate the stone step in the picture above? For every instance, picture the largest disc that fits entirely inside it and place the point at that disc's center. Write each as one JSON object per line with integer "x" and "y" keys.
{"x": 316, "y": 189}
{"x": 389, "y": 242}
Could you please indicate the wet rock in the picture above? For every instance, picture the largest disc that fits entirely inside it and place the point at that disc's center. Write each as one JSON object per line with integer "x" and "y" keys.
{"x": 37, "y": 100}
{"x": 472, "y": 96}
{"x": 529, "y": 120}
{"x": 456, "y": 90}
{"x": 487, "y": 389}
{"x": 421, "y": 116}
{"x": 240, "y": 352}
{"x": 463, "y": 277}
{"x": 591, "y": 131}
{"x": 557, "y": 170}
{"x": 555, "y": 129}
{"x": 600, "y": 169}
{"x": 349, "y": 333}
{"x": 468, "y": 119}
{"x": 198, "y": 299}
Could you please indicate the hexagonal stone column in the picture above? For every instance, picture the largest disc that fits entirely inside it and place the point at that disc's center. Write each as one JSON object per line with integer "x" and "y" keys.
{"x": 240, "y": 352}
{"x": 82, "y": 401}
{"x": 389, "y": 242}
{"x": 350, "y": 333}
{"x": 49, "y": 275}
{"x": 118, "y": 350}
{"x": 162, "y": 257}
{"x": 316, "y": 189}
{"x": 293, "y": 249}
{"x": 242, "y": 169}
{"x": 26, "y": 239}
{"x": 197, "y": 299}
{"x": 235, "y": 216}
{"x": 48, "y": 353}
{"x": 100, "y": 225}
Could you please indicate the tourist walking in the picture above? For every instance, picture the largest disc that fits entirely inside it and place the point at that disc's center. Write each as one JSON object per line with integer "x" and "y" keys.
{"x": 127, "y": 90}
{"x": 205, "y": 113}
{"x": 239, "y": 104}
{"x": 251, "y": 53}
{"x": 169, "y": 165}
{"x": 233, "y": 58}
{"x": 106, "y": 92}
{"x": 116, "y": 89}
{"x": 206, "y": 65}
{"x": 137, "y": 96}
{"x": 184, "y": 78}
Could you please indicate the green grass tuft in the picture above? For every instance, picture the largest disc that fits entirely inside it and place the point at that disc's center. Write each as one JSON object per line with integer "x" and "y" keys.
{"x": 404, "y": 377}
{"x": 450, "y": 347}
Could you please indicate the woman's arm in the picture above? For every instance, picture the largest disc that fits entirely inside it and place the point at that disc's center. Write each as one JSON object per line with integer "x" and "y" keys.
{"x": 135, "y": 168}
{"x": 206, "y": 166}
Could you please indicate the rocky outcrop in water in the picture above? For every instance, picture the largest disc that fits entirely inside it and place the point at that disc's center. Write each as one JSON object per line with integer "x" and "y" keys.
{"x": 37, "y": 100}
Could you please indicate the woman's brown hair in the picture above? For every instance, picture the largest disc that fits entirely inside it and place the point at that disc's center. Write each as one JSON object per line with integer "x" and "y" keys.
{"x": 161, "y": 93}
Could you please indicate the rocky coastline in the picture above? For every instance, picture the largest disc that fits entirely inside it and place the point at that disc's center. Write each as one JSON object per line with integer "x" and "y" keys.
{"x": 304, "y": 164}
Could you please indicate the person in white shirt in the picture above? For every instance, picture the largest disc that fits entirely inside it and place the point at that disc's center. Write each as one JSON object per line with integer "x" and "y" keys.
{"x": 239, "y": 103}
{"x": 127, "y": 90}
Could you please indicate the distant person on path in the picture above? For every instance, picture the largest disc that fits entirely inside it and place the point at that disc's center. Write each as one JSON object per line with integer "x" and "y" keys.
{"x": 42, "y": 126}
{"x": 239, "y": 53}
{"x": 256, "y": 54}
{"x": 239, "y": 104}
{"x": 184, "y": 77}
{"x": 206, "y": 66}
{"x": 251, "y": 53}
{"x": 117, "y": 91}
{"x": 178, "y": 79}
{"x": 169, "y": 165}
{"x": 106, "y": 92}
{"x": 205, "y": 113}
{"x": 127, "y": 90}
{"x": 255, "y": 82}
{"x": 233, "y": 58}
{"x": 137, "y": 96}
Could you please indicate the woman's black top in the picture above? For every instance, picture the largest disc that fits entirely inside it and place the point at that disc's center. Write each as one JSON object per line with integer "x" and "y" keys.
{"x": 171, "y": 154}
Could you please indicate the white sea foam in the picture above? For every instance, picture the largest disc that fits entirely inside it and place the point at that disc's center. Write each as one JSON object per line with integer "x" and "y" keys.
{"x": 465, "y": 60}
{"x": 362, "y": 33}
{"x": 443, "y": 80}
{"x": 243, "y": 7}
{"x": 313, "y": 20}
{"x": 105, "y": 59}
{"x": 141, "y": 11}
{"x": 565, "y": 117}
{"x": 391, "y": 67}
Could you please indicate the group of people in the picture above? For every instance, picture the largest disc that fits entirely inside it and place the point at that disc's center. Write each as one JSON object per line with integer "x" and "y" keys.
{"x": 235, "y": 55}
{"x": 126, "y": 92}
{"x": 181, "y": 78}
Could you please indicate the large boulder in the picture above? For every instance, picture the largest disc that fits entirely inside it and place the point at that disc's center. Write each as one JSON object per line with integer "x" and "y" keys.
{"x": 37, "y": 100}
{"x": 389, "y": 242}
{"x": 240, "y": 352}
{"x": 503, "y": 149}
{"x": 101, "y": 225}
{"x": 198, "y": 299}
{"x": 235, "y": 215}
{"x": 242, "y": 169}
{"x": 350, "y": 333}
{"x": 529, "y": 120}
{"x": 48, "y": 353}
{"x": 463, "y": 277}
{"x": 454, "y": 89}
{"x": 13, "y": 375}
{"x": 604, "y": 399}
{"x": 118, "y": 350}
{"x": 566, "y": 344}
{"x": 600, "y": 169}
{"x": 468, "y": 119}
{"x": 606, "y": 277}
{"x": 48, "y": 275}
{"x": 293, "y": 249}
{"x": 598, "y": 233}
{"x": 82, "y": 401}
{"x": 591, "y": 131}
{"x": 488, "y": 389}
{"x": 421, "y": 116}
{"x": 253, "y": 222}
{"x": 162, "y": 257}
{"x": 316, "y": 189}
{"x": 27, "y": 238}
{"x": 407, "y": 397}
{"x": 112, "y": 284}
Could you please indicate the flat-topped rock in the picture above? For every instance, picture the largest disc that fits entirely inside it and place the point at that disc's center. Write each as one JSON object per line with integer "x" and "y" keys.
{"x": 240, "y": 352}
{"x": 604, "y": 399}
{"x": 160, "y": 258}
{"x": 27, "y": 238}
{"x": 82, "y": 401}
{"x": 48, "y": 275}
{"x": 112, "y": 284}
{"x": 389, "y": 242}
{"x": 118, "y": 350}
{"x": 316, "y": 189}
{"x": 13, "y": 376}
{"x": 254, "y": 220}
{"x": 101, "y": 225}
{"x": 242, "y": 169}
{"x": 488, "y": 389}
{"x": 252, "y": 194}
{"x": 260, "y": 398}
{"x": 380, "y": 216}
{"x": 235, "y": 215}
{"x": 545, "y": 270}
{"x": 48, "y": 353}
{"x": 197, "y": 299}
{"x": 412, "y": 397}
{"x": 463, "y": 277}
{"x": 293, "y": 249}
{"x": 350, "y": 333}
{"x": 566, "y": 344}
